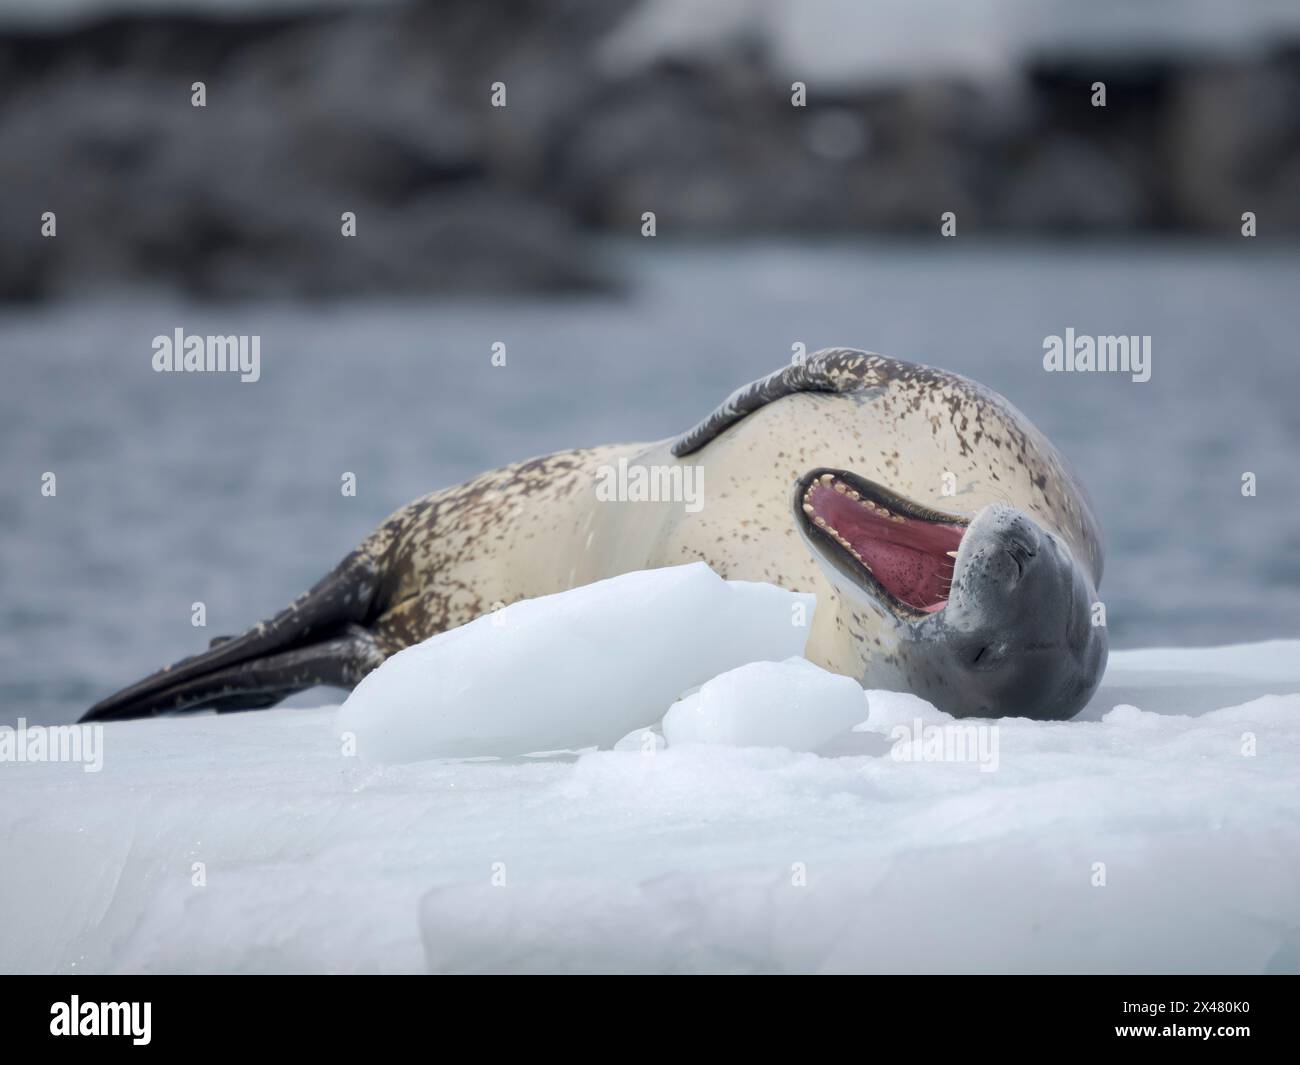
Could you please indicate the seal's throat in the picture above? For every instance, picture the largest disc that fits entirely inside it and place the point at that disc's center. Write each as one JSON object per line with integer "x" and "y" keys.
{"x": 909, "y": 552}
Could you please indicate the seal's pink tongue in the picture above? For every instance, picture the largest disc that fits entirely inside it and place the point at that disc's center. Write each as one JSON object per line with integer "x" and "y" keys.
{"x": 909, "y": 557}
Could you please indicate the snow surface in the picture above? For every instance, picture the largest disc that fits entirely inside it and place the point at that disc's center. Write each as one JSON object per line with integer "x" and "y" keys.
{"x": 699, "y": 857}
{"x": 575, "y": 669}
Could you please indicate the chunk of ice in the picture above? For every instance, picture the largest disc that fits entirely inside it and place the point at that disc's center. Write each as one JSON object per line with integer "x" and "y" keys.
{"x": 576, "y": 669}
{"x": 792, "y": 704}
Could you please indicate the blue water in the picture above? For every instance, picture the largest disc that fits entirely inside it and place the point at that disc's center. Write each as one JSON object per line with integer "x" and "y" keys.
{"x": 178, "y": 488}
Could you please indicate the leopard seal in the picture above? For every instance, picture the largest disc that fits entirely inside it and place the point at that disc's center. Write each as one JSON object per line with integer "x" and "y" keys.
{"x": 952, "y": 551}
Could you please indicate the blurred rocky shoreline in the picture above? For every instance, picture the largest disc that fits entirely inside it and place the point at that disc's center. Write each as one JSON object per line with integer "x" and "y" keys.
{"x": 386, "y": 112}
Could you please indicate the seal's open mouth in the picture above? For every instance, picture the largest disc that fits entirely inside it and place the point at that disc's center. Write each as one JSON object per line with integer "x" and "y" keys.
{"x": 903, "y": 551}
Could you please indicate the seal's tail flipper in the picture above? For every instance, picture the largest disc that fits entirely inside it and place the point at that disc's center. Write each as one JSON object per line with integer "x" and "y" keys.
{"x": 340, "y": 662}
{"x": 320, "y": 639}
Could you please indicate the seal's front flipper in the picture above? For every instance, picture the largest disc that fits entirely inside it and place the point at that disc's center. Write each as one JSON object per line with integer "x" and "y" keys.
{"x": 320, "y": 639}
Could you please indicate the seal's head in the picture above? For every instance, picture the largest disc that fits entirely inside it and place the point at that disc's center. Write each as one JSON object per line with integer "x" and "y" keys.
{"x": 993, "y": 613}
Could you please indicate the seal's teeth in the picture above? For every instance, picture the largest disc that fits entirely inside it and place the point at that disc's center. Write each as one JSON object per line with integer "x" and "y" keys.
{"x": 807, "y": 508}
{"x": 951, "y": 554}
{"x": 852, "y": 494}
{"x": 827, "y": 478}
{"x": 839, "y": 487}
{"x": 820, "y": 521}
